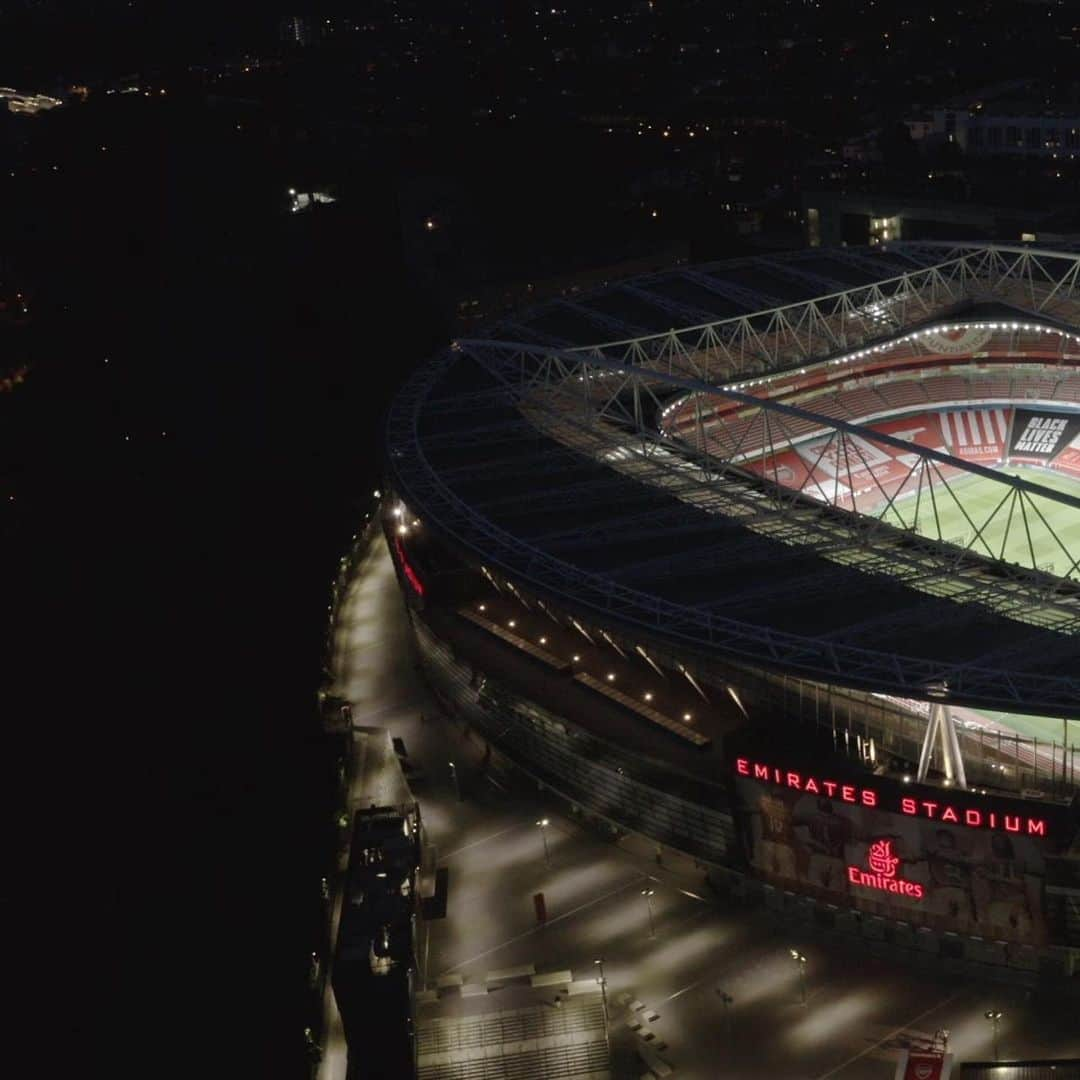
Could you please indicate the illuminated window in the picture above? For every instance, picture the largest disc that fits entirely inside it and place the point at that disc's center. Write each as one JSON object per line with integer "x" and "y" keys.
{"x": 884, "y": 229}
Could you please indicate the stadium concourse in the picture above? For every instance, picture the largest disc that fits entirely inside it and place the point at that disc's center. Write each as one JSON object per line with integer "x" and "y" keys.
{"x": 793, "y": 590}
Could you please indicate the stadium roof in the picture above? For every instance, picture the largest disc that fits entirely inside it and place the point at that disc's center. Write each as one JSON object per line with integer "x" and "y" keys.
{"x": 545, "y": 462}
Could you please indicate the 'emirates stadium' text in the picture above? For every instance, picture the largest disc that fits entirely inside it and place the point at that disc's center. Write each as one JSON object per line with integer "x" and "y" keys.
{"x": 972, "y": 817}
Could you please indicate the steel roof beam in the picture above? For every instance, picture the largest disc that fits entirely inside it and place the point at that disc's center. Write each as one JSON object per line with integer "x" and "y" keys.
{"x": 1018, "y": 274}
{"x": 923, "y": 556}
{"x": 609, "y": 603}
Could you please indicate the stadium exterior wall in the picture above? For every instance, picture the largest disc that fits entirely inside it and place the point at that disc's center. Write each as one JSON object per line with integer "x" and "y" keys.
{"x": 1006, "y": 864}
{"x": 705, "y": 821}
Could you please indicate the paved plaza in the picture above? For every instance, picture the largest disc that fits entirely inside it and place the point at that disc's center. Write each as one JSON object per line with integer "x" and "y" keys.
{"x": 667, "y": 968}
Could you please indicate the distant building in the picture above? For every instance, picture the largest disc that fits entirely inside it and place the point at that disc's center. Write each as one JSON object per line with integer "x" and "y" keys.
{"x": 920, "y": 127}
{"x": 1017, "y": 129}
{"x": 1016, "y": 117}
{"x": 27, "y": 104}
{"x": 295, "y": 30}
{"x": 839, "y": 218}
{"x": 862, "y": 148}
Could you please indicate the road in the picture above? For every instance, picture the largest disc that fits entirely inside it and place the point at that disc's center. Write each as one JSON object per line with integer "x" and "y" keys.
{"x": 859, "y": 1009}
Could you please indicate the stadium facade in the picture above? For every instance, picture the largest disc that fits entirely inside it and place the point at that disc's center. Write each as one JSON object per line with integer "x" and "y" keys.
{"x": 792, "y": 588}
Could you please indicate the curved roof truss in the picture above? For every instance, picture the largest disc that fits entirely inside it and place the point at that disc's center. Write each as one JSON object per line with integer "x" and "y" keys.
{"x": 945, "y": 277}
{"x": 603, "y": 409}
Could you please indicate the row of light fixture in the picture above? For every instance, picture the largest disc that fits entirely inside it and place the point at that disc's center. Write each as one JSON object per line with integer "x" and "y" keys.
{"x": 886, "y": 346}
{"x": 576, "y": 658}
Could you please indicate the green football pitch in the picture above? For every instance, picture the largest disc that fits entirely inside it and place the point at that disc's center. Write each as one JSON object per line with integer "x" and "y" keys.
{"x": 1044, "y": 728}
{"x": 1009, "y": 536}
{"x": 1046, "y": 528}
{"x": 980, "y": 497}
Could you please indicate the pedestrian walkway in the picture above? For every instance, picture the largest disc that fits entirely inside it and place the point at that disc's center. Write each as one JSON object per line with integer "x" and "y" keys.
{"x": 370, "y": 664}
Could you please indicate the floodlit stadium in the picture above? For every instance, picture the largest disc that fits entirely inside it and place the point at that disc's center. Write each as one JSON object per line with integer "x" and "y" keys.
{"x": 679, "y": 546}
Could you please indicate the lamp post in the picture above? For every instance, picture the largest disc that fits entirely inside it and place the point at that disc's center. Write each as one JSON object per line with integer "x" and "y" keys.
{"x": 599, "y": 962}
{"x": 727, "y": 1001}
{"x": 457, "y": 782}
{"x": 994, "y": 1016}
{"x": 543, "y": 823}
{"x": 800, "y": 960}
{"x": 648, "y": 894}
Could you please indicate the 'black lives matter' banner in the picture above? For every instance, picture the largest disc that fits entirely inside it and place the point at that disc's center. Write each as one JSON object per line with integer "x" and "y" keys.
{"x": 1042, "y": 434}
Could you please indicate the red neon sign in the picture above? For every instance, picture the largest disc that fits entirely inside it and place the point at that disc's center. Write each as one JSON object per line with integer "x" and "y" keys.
{"x": 882, "y": 874}
{"x": 988, "y": 819}
{"x": 407, "y": 570}
{"x": 881, "y": 859}
{"x": 972, "y": 817}
{"x": 830, "y": 788}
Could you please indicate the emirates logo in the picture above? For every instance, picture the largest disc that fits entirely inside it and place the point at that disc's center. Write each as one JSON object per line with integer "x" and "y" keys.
{"x": 881, "y": 859}
{"x": 882, "y": 873}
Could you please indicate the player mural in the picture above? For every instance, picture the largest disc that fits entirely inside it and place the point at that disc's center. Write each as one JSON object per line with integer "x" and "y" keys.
{"x": 948, "y": 874}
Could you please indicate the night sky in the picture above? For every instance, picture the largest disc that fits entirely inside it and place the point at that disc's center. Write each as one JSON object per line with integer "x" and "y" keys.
{"x": 186, "y": 463}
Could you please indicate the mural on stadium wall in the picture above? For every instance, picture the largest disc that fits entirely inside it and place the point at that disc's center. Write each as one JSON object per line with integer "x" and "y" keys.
{"x": 985, "y": 881}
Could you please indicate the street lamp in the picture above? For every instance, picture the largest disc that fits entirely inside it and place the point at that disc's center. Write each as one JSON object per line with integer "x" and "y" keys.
{"x": 994, "y": 1016}
{"x": 648, "y": 894}
{"x": 603, "y": 987}
{"x": 800, "y": 960}
{"x": 457, "y": 782}
{"x": 727, "y": 1001}
{"x": 543, "y": 823}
